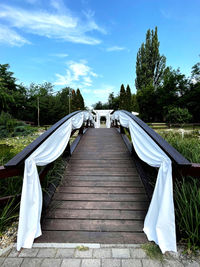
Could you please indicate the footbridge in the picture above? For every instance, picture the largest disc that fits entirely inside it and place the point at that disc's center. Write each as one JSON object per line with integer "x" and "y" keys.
{"x": 106, "y": 194}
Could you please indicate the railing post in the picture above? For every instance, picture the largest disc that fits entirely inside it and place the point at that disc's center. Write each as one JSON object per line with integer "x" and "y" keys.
{"x": 67, "y": 151}
{"x": 122, "y": 130}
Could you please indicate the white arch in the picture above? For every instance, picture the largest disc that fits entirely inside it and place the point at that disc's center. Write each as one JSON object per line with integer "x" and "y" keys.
{"x": 102, "y": 113}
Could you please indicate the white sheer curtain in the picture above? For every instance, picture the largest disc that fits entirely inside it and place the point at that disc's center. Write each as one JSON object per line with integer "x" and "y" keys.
{"x": 31, "y": 200}
{"x": 159, "y": 224}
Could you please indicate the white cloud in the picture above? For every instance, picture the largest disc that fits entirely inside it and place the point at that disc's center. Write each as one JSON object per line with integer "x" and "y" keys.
{"x": 115, "y": 48}
{"x": 78, "y": 74}
{"x": 8, "y": 36}
{"x": 61, "y": 55}
{"x": 63, "y": 26}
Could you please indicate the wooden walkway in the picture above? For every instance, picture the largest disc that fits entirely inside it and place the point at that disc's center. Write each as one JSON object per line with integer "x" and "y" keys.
{"x": 101, "y": 198}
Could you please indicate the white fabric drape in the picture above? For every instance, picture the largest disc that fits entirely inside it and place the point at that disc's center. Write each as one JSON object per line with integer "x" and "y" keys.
{"x": 31, "y": 200}
{"x": 108, "y": 120}
{"x": 159, "y": 224}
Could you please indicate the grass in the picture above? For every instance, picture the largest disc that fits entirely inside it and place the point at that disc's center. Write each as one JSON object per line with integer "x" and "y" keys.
{"x": 188, "y": 144}
{"x": 13, "y": 185}
{"x": 187, "y": 209}
{"x": 153, "y": 251}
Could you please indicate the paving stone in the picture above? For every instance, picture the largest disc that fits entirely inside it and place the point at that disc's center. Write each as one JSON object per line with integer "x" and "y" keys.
{"x": 91, "y": 263}
{"x": 120, "y": 253}
{"x": 47, "y": 253}
{"x": 13, "y": 253}
{"x": 191, "y": 264}
{"x": 29, "y": 252}
{"x": 71, "y": 263}
{"x": 1, "y": 261}
{"x": 102, "y": 253}
{"x": 138, "y": 253}
{"x": 111, "y": 263}
{"x": 151, "y": 263}
{"x": 83, "y": 254}
{"x": 172, "y": 263}
{"x": 12, "y": 262}
{"x": 31, "y": 262}
{"x": 51, "y": 263}
{"x": 112, "y": 245}
{"x": 65, "y": 253}
{"x": 131, "y": 263}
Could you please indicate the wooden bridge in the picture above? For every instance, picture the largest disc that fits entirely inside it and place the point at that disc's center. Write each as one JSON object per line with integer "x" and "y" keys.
{"x": 105, "y": 192}
{"x": 101, "y": 198}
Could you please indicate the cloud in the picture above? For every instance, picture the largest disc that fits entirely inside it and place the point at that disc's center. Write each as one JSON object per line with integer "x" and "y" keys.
{"x": 56, "y": 25}
{"x": 115, "y": 48}
{"x": 78, "y": 74}
{"x": 61, "y": 55}
{"x": 8, "y": 36}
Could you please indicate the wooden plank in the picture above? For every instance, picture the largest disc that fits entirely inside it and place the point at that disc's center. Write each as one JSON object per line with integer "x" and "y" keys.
{"x": 104, "y": 190}
{"x": 97, "y": 214}
{"x": 99, "y": 178}
{"x": 99, "y": 205}
{"x": 93, "y": 225}
{"x": 102, "y": 183}
{"x": 100, "y": 197}
{"x": 92, "y": 237}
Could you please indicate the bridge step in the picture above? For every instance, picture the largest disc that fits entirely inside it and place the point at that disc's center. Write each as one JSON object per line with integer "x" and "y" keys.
{"x": 103, "y": 190}
{"x": 92, "y": 237}
{"x": 95, "y": 205}
{"x": 96, "y": 214}
{"x": 101, "y": 199}
{"x": 103, "y": 183}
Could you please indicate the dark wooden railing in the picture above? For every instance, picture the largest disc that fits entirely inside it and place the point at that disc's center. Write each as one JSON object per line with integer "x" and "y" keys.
{"x": 180, "y": 165}
{"x": 15, "y": 166}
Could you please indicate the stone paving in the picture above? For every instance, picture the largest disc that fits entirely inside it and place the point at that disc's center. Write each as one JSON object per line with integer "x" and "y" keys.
{"x": 104, "y": 256}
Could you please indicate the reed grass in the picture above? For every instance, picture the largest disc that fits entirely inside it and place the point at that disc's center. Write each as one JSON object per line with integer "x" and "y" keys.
{"x": 187, "y": 209}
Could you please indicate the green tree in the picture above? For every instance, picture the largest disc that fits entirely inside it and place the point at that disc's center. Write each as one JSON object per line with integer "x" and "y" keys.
{"x": 113, "y": 102}
{"x": 80, "y": 100}
{"x": 178, "y": 115}
{"x": 128, "y": 99}
{"x": 7, "y": 87}
{"x": 122, "y": 98}
{"x": 150, "y": 67}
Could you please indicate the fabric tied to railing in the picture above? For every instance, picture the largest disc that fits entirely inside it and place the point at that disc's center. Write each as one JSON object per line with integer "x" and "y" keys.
{"x": 159, "y": 224}
{"x": 31, "y": 200}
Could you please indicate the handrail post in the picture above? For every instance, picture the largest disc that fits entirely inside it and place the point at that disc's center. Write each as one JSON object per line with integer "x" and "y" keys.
{"x": 122, "y": 130}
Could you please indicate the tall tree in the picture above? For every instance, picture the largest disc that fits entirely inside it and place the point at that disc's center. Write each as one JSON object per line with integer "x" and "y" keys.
{"x": 150, "y": 66}
{"x": 122, "y": 98}
{"x": 80, "y": 100}
{"x": 128, "y": 99}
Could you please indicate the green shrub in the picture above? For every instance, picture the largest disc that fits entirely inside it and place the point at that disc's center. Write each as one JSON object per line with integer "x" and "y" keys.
{"x": 187, "y": 209}
{"x": 189, "y": 146}
{"x": 178, "y": 115}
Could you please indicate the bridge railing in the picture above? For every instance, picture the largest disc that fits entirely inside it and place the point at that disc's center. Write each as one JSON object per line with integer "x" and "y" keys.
{"x": 180, "y": 165}
{"x": 15, "y": 166}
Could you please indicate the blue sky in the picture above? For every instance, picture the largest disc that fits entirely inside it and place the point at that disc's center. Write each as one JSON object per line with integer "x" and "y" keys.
{"x": 92, "y": 44}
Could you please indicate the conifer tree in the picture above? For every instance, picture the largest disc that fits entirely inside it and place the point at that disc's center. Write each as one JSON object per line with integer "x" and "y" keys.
{"x": 128, "y": 98}
{"x": 80, "y": 100}
{"x": 122, "y": 98}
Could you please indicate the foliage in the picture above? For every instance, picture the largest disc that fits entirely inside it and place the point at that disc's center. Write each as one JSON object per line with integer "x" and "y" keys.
{"x": 8, "y": 213}
{"x": 153, "y": 251}
{"x": 150, "y": 67}
{"x": 188, "y": 146}
{"x": 25, "y": 103}
{"x": 187, "y": 203}
{"x": 150, "y": 64}
{"x": 178, "y": 115}
{"x": 122, "y": 98}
